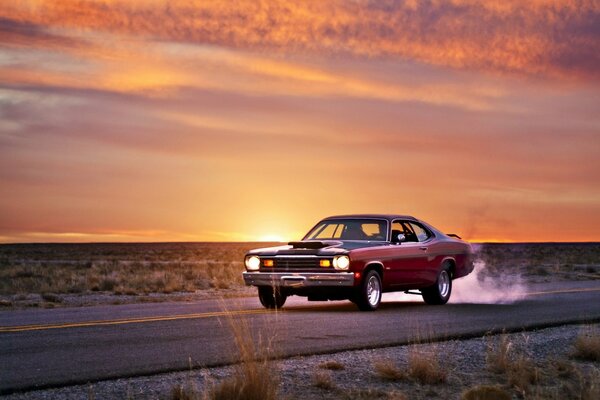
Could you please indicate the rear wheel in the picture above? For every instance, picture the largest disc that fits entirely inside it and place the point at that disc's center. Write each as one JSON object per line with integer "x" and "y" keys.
{"x": 369, "y": 294}
{"x": 439, "y": 293}
{"x": 271, "y": 297}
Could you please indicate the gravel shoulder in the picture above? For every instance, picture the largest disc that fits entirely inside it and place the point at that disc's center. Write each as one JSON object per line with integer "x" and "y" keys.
{"x": 463, "y": 364}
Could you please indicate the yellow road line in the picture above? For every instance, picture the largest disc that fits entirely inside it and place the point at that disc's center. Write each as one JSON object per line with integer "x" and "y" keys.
{"x": 214, "y": 314}
{"x": 22, "y": 328}
{"x": 564, "y": 291}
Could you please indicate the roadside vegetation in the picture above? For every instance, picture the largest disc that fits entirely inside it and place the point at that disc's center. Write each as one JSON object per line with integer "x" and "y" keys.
{"x": 538, "y": 262}
{"x": 44, "y": 274}
{"x": 507, "y": 369}
{"x": 518, "y": 372}
{"x": 132, "y": 269}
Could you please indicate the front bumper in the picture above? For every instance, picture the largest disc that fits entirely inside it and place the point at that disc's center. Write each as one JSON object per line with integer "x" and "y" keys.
{"x": 304, "y": 279}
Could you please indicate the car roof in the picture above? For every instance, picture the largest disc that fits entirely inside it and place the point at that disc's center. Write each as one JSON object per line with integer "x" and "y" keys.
{"x": 379, "y": 216}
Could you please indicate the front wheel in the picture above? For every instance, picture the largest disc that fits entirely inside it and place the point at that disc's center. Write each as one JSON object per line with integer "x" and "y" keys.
{"x": 369, "y": 294}
{"x": 270, "y": 297}
{"x": 439, "y": 293}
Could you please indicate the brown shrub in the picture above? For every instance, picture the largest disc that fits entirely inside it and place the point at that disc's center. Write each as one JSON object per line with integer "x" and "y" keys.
{"x": 332, "y": 365}
{"x": 587, "y": 346}
{"x": 520, "y": 371}
{"x": 563, "y": 369}
{"x": 322, "y": 380}
{"x": 485, "y": 392}
{"x": 424, "y": 367}
{"x": 386, "y": 369}
{"x": 185, "y": 392}
{"x": 51, "y": 297}
{"x": 498, "y": 357}
{"x": 253, "y": 378}
{"x": 523, "y": 373}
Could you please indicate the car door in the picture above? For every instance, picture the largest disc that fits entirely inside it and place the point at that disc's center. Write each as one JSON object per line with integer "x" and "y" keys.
{"x": 429, "y": 265}
{"x": 407, "y": 264}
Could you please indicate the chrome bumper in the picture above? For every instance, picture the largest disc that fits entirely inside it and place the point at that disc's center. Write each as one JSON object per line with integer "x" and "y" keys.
{"x": 304, "y": 279}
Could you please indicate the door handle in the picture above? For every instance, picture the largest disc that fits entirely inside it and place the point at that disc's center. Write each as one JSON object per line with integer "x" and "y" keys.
{"x": 423, "y": 248}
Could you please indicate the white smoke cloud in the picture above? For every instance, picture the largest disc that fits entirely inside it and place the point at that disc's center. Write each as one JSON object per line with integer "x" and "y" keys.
{"x": 480, "y": 288}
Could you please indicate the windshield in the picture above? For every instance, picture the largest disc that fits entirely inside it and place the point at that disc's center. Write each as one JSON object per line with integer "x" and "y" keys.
{"x": 350, "y": 229}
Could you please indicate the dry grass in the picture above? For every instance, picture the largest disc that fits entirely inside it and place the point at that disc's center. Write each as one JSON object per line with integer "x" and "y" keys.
{"x": 520, "y": 371}
{"x": 542, "y": 261}
{"x": 332, "y": 365}
{"x": 254, "y": 378}
{"x": 486, "y": 392}
{"x": 322, "y": 380}
{"x": 187, "y": 392}
{"x": 587, "y": 346}
{"x": 131, "y": 268}
{"x": 498, "y": 355}
{"x": 522, "y": 374}
{"x": 424, "y": 366}
{"x": 387, "y": 370}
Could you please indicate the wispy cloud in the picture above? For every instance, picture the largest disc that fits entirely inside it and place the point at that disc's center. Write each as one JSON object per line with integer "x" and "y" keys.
{"x": 196, "y": 120}
{"x": 548, "y": 37}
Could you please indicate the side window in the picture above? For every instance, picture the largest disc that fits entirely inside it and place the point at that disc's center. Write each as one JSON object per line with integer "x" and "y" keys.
{"x": 404, "y": 228}
{"x": 421, "y": 233}
{"x": 374, "y": 231}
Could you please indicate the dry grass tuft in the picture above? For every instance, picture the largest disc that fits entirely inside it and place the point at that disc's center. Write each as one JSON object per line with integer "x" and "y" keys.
{"x": 51, "y": 297}
{"x": 396, "y": 395}
{"x": 252, "y": 379}
{"x": 322, "y": 380}
{"x": 587, "y": 346}
{"x": 485, "y": 392}
{"x": 563, "y": 369}
{"x": 387, "y": 370}
{"x": 424, "y": 367}
{"x": 187, "y": 392}
{"x": 498, "y": 359}
{"x": 520, "y": 371}
{"x": 580, "y": 386}
{"x": 522, "y": 374}
{"x": 332, "y": 365}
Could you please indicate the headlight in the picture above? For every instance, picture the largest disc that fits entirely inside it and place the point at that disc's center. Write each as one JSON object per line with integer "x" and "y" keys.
{"x": 341, "y": 262}
{"x": 252, "y": 263}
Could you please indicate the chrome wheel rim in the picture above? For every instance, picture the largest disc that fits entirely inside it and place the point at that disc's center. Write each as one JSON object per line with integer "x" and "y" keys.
{"x": 444, "y": 283}
{"x": 373, "y": 290}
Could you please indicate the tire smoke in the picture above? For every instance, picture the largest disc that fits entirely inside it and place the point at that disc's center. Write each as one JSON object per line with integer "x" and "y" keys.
{"x": 480, "y": 287}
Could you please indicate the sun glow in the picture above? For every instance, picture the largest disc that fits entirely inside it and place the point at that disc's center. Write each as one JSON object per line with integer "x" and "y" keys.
{"x": 271, "y": 238}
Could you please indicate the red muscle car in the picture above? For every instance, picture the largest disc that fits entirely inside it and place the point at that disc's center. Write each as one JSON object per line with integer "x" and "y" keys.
{"x": 359, "y": 257}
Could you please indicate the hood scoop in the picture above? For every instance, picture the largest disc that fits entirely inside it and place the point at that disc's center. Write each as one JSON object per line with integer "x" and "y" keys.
{"x": 312, "y": 244}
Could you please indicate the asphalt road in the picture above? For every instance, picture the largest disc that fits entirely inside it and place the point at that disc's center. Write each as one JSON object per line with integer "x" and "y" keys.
{"x": 55, "y": 347}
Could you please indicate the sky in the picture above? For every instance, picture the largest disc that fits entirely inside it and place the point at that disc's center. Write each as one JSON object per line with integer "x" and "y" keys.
{"x": 184, "y": 120}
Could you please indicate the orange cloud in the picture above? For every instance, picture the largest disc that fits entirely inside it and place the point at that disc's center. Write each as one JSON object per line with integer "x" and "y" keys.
{"x": 551, "y": 38}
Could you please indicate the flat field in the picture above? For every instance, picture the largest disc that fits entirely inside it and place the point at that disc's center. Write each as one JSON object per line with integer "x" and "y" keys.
{"x": 49, "y": 275}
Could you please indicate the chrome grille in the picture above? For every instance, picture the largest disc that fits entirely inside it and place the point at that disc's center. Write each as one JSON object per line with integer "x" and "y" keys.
{"x": 296, "y": 262}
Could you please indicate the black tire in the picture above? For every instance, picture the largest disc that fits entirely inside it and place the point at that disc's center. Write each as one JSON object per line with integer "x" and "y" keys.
{"x": 439, "y": 293}
{"x": 270, "y": 297}
{"x": 368, "y": 296}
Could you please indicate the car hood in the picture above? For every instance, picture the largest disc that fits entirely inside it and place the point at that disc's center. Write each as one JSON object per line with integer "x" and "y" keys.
{"x": 315, "y": 247}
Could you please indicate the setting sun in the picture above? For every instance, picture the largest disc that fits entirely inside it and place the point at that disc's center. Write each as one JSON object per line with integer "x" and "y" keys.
{"x": 271, "y": 238}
